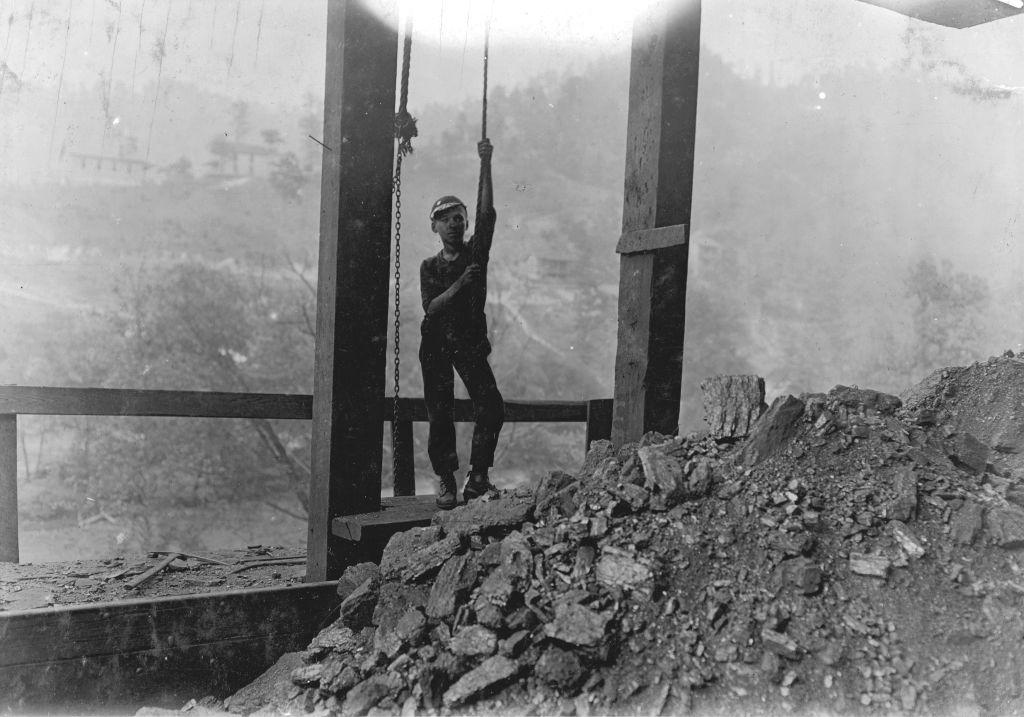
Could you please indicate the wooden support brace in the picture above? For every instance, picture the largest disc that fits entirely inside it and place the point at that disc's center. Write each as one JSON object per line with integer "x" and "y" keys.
{"x": 639, "y": 240}
{"x": 9, "y": 552}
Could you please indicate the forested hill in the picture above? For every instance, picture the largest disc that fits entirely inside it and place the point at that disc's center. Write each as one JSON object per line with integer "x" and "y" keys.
{"x": 853, "y": 228}
{"x": 813, "y": 204}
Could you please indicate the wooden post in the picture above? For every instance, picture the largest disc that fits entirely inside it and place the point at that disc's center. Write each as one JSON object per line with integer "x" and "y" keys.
{"x": 9, "y": 488}
{"x": 599, "y": 421}
{"x": 352, "y": 293}
{"x": 403, "y": 460}
{"x": 655, "y": 219}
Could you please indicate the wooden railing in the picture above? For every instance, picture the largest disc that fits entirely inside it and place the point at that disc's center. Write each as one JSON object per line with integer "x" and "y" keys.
{"x": 54, "y": 401}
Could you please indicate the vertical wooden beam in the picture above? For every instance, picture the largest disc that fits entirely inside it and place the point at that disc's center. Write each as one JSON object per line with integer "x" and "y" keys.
{"x": 352, "y": 290}
{"x": 599, "y": 421}
{"x": 658, "y": 189}
{"x": 9, "y": 488}
{"x": 403, "y": 458}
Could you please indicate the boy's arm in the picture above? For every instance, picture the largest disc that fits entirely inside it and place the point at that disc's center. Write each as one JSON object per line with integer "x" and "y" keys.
{"x": 483, "y": 225}
{"x": 485, "y": 188}
{"x": 433, "y": 304}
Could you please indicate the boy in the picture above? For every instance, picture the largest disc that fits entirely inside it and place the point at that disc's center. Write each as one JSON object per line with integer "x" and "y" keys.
{"x": 453, "y": 285}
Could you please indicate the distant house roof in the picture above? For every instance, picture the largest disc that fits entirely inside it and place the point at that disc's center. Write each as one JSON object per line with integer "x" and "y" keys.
{"x": 952, "y": 13}
{"x": 6, "y": 73}
{"x": 248, "y": 148}
{"x": 114, "y": 158}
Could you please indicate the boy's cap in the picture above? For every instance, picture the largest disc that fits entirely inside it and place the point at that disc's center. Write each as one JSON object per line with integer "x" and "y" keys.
{"x": 446, "y": 202}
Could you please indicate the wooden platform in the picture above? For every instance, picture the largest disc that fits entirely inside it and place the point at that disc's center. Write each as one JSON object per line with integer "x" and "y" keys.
{"x": 368, "y": 533}
{"x": 117, "y": 656}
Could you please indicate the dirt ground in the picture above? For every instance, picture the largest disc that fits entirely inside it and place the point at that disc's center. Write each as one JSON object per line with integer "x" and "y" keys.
{"x": 27, "y": 586}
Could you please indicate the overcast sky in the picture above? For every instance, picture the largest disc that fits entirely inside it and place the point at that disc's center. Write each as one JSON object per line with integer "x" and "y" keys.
{"x": 275, "y": 48}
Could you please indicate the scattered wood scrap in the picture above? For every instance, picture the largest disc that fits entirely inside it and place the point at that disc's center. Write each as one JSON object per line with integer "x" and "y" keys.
{"x": 264, "y": 563}
{"x": 200, "y": 558}
{"x": 146, "y": 576}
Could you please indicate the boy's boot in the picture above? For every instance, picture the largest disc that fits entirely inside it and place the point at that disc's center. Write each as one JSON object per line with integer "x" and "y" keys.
{"x": 447, "y": 492}
{"x": 478, "y": 485}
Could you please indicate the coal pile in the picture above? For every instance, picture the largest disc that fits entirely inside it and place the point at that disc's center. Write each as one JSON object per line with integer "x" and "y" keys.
{"x": 838, "y": 552}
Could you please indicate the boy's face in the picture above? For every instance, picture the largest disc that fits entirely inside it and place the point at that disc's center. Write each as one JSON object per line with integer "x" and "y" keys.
{"x": 450, "y": 225}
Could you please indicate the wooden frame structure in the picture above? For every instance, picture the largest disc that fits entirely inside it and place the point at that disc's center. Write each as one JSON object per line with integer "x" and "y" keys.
{"x": 56, "y": 401}
{"x": 354, "y": 260}
{"x": 355, "y": 237}
{"x": 347, "y": 409}
{"x": 71, "y": 645}
{"x": 362, "y": 51}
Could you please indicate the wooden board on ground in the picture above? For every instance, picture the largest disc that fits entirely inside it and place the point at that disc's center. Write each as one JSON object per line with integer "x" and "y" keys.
{"x": 157, "y": 651}
{"x": 370, "y": 530}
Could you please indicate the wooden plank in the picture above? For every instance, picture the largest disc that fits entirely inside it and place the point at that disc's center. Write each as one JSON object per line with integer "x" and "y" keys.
{"x": 415, "y": 409}
{"x": 637, "y": 240}
{"x": 403, "y": 459}
{"x": 395, "y": 514}
{"x": 354, "y": 265}
{"x": 62, "y": 401}
{"x": 67, "y": 401}
{"x": 658, "y": 189}
{"x": 132, "y": 650}
{"x": 67, "y": 632}
{"x": 9, "y": 551}
{"x": 599, "y": 421}
{"x": 951, "y": 13}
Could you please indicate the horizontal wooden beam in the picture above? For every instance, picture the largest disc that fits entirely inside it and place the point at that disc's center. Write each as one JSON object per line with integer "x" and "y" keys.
{"x": 143, "y": 650}
{"x": 68, "y": 401}
{"x": 414, "y": 409}
{"x": 642, "y": 240}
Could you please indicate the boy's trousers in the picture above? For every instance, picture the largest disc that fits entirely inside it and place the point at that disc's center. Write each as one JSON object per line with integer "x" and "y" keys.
{"x": 439, "y": 366}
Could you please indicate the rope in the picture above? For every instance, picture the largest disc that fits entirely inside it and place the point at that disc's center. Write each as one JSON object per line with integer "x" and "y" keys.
{"x": 487, "y": 45}
{"x": 405, "y": 124}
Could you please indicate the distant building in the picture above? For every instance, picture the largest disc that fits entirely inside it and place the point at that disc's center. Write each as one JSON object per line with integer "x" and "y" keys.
{"x": 110, "y": 169}
{"x": 241, "y": 158}
{"x": 8, "y": 79}
{"x": 557, "y": 269}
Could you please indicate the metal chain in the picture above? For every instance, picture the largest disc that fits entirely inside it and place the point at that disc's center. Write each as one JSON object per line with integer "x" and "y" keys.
{"x": 397, "y": 189}
{"x": 405, "y": 130}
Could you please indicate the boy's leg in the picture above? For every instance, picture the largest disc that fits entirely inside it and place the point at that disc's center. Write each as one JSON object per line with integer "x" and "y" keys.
{"x": 488, "y": 411}
{"x": 439, "y": 396}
